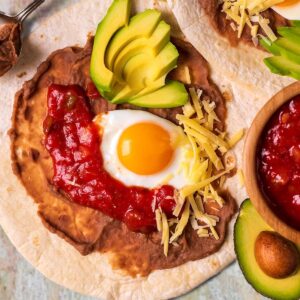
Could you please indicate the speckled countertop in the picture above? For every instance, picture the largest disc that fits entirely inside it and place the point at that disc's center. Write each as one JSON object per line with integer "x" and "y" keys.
{"x": 20, "y": 281}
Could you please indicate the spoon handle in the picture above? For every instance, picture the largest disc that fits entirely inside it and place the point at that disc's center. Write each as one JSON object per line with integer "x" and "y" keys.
{"x": 28, "y": 10}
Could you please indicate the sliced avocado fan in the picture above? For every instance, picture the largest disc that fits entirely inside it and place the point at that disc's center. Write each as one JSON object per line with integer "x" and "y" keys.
{"x": 117, "y": 17}
{"x": 286, "y": 51}
{"x": 248, "y": 226}
{"x": 140, "y": 25}
{"x": 132, "y": 57}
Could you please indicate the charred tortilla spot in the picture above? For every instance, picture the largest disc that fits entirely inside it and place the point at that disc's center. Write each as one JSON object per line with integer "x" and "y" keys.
{"x": 88, "y": 230}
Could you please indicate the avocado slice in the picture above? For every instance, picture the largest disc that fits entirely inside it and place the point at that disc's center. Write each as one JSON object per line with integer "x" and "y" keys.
{"x": 152, "y": 45}
{"x": 152, "y": 86}
{"x": 296, "y": 23}
{"x": 283, "y": 47}
{"x": 248, "y": 226}
{"x": 291, "y": 33}
{"x": 135, "y": 68}
{"x": 283, "y": 66}
{"x": 146, "y": 67}
{"x": 117, "y": 16}
{"x": 129, "y": 93}
{"x": 164, "y": 62}
{"x": 173, "y": 94}
{"x": 143, "y": 70}
{"x": 133, "y": 78}
{"x": 289, "y": 45}
{"x": 140, "y": 25}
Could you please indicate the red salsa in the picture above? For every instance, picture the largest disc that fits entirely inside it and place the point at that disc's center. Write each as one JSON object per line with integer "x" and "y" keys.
{"x": 73, "y": 142}
{"x": 279, "y": 162}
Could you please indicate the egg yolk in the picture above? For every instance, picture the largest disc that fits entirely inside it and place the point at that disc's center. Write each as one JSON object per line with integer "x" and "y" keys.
{"x": 145, "y": 148}
{"x": 288, "y": 3}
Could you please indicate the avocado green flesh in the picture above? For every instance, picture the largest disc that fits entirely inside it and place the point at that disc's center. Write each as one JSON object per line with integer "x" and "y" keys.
{"x": 132, "y": 57}
{"x": 291, "y": 33}
{"x": 143, "y": 71}
{"x": 164, "y": 62}
{"x": 152, "y": 45}
{"x": 247, "y": 227}
{"x": 117, "y": 17}
{"x": 296, "y": 23}
{"x": 151, "y": 87}
{"x": 133, "y": 73}
{"x": 128, "y": 94}
{"x": 141, "y": 25}
{"x": 173, "y": 94}
{"x": 289, "y": 45}
{"x": 149, "y": 68}
{"x": 283, "y": 66}
{"x": 285, "y": 48}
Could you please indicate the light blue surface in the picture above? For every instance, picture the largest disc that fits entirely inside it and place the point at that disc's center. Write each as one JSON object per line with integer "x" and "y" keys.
{"x": 20, "y": 281}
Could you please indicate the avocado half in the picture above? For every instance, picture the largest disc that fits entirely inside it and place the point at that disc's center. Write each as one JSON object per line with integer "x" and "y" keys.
{"x": 248, "y": 226}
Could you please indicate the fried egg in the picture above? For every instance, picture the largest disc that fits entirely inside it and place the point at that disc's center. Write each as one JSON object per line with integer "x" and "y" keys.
{"x": 142, "y": 149}
{"x": 289, "y": 9}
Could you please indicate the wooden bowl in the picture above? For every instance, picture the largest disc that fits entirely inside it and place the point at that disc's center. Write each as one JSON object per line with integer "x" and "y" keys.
{"x": 249, "y": 164}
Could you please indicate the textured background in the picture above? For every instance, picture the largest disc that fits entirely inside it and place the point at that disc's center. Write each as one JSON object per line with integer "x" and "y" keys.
{"x": 20, "y": 281}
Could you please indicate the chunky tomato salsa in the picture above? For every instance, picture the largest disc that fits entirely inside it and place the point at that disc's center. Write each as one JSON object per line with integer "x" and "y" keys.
{"x": 279, "y": 162}
{"x": 73, "y": 141}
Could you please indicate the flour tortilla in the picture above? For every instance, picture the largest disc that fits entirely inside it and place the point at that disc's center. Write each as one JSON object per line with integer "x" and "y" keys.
{"x": 51, "y": 255}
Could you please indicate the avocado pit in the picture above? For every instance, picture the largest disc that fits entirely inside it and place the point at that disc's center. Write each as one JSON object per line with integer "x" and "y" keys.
{"x": 275, "y": 255}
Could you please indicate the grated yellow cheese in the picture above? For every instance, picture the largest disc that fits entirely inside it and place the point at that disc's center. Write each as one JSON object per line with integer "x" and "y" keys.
{"x": 207, "y": 160}
{"x": 182, "y": 222}
{"x": 196, "y": 103}
{"x": 165, "y": 233}
{"x": 191, "y": 189}
{"x": 187, "y": 75}
{"x": 214, "y": 233}
{"x": 216, "y": 196}
{"x": 241, "y": 177}
{"x": 202, "y": 130}
{"x": 198, "y": 214}
{"x": 245, "y": 12}
{"x": 213, "y": 156}
{"x": 264, "y": 23}
{"x": 200, "y": 171}
{"x": 242, "y": 22}
{"x": 158, "y": 220}
{"x": 236, "y": 138}
{"x": 202, "y": 232}
{"x": 188, "y": 109}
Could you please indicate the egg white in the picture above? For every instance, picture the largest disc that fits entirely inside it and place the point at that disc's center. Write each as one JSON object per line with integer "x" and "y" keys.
{"x": 291, "y": 12}
{"x": 112, "y": 125}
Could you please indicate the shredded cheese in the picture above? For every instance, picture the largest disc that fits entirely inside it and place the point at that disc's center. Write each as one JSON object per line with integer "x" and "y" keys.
{"x": 191, "y": 189}
{"x": 158, "y": 220}
{"x": 236, "y": 138}
{"x": 182, "y": 223}
{"x": 245, "y": 12}
{"x": 241, "y": 177}
{"x": 187, "y": 75}
{"x": 196, "y": 103}
{"x": 208, "y": 162}
{"x": 188, "y": 109}
{"x": 165, "y": 233}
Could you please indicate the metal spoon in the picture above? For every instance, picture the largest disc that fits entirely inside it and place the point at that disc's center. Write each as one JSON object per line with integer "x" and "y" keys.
{"x": 10, "y": 50}
{"x": 20, "y": 17}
